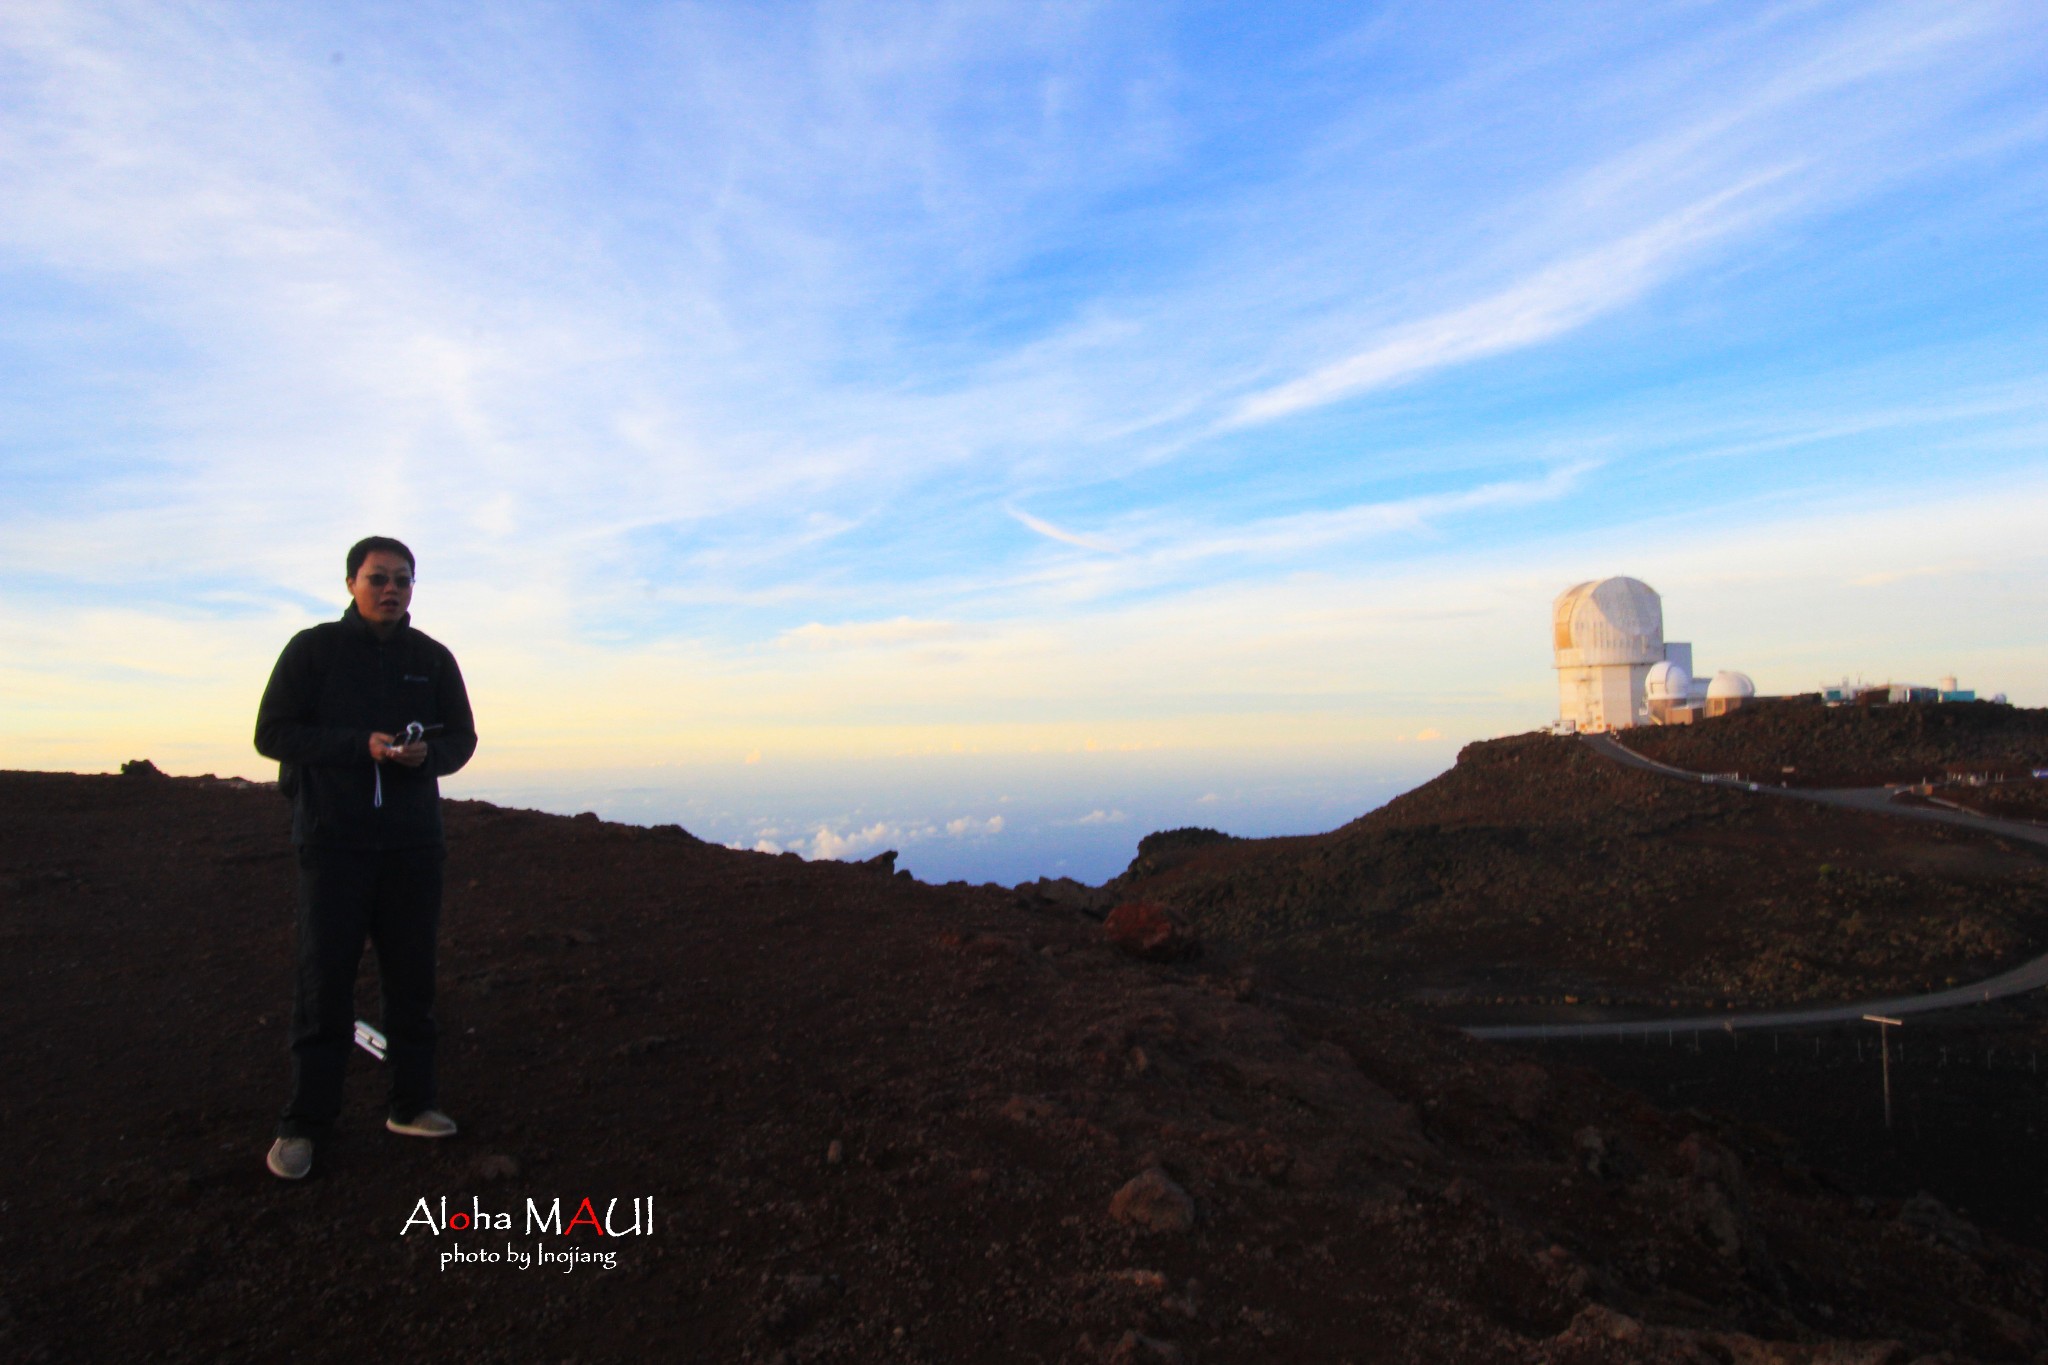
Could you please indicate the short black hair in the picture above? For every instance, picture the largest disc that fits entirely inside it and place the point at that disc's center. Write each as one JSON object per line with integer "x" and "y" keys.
{"x": 370, "y": 545}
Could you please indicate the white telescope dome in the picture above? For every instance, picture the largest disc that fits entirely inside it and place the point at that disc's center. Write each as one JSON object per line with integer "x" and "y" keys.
{"x": 1667, "y": 682}
{"x": 1609, "y": 621}
{"x": 1729, "y": 685}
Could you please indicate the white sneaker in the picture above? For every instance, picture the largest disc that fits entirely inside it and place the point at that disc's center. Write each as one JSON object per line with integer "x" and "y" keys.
{"x": 428, "y": 1123}
{"x": 290, "y": 1158}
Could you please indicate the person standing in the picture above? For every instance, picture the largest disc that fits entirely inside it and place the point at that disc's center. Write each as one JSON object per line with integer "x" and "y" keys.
{"x": 366, "y": 824}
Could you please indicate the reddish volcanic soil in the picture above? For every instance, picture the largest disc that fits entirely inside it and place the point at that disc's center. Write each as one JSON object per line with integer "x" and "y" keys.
{"x": 878, "y": 1121}
{"x": 2014, "y": 799}
{"x": 1853, "y": 746}
{"x": 1538, "y": 874}
{"x": 1969, "y": 1101}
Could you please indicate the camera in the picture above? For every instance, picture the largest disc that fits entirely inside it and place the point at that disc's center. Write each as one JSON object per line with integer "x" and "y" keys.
{"x": 413, "y": 733}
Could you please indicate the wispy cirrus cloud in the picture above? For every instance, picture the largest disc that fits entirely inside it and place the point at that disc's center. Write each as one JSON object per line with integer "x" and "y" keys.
{"x": 1555, "y": 300}
{"x": 1060, "y": 533}
{"x": 868, "y": 634}
{"x": 1157, "y": 551}
{"x": 1300, "y": 532}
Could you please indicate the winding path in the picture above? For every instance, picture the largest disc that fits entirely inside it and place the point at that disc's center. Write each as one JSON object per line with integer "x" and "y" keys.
{"x": 1877, "y": 799}
{"x": 2025, "y": 977}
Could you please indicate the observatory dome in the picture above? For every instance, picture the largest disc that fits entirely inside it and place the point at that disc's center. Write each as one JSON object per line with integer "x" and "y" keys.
{"x": 1729, "y": 685}
{"x": 1609, "y": 621}
{"x": 1667, "y": 682}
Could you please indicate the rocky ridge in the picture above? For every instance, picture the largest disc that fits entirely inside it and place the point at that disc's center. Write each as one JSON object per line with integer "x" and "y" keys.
{"x": 1537, "y": 872}
{"x": 1800, "y": 742}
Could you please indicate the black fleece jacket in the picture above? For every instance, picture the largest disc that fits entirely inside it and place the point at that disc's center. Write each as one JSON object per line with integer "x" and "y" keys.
{"x": 334, "y": 685}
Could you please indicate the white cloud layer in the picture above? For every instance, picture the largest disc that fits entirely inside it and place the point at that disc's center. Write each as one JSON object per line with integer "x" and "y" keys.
{"x": 863, "y": 841}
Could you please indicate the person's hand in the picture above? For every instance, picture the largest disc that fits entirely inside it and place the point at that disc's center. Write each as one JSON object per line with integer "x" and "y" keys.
{"x": 410, "y": 755}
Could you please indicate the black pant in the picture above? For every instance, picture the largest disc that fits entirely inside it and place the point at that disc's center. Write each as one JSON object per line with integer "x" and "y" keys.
{"x": 392, "y": 897}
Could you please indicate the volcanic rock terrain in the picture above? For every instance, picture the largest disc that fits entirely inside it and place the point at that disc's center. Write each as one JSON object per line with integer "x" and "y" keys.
{"x": 1537, "y": 873}
{"x": 1798, "y": 741}
{"x": 885, "y": 1121}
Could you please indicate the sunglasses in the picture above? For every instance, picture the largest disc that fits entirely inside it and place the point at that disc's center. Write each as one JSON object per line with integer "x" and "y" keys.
{"x": 385, "y": 580}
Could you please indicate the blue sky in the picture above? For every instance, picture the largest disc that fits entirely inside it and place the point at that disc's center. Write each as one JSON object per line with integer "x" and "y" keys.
{"x": 843, "y": 424}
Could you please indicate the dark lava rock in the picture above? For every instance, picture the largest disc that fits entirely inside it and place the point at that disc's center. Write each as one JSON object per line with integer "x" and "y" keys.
{"x": 1149, "y": 930}
{"x": 1153, "y": 1202}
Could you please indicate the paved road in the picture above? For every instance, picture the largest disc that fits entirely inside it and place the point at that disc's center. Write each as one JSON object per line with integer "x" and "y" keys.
{"x": 1854, "y": 798}
{"x": 2026, "y": 977}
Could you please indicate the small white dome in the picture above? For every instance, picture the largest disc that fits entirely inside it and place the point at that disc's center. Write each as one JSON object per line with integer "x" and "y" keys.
{"x": 1666, "y": 681}
{"x": 1728, "y": 685}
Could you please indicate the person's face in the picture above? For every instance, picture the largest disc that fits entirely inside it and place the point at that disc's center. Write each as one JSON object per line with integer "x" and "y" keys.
{"x": 382, "y": 588}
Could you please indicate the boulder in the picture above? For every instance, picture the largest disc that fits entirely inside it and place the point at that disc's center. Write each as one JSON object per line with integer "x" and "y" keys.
{"x": 1929, "y": 1216}
{"x": 1149, "y": 930}
{"x": 1152, "y": 1201}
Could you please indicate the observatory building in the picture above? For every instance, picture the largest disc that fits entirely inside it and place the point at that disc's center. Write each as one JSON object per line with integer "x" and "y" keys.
{"x": 1615, "y": 668}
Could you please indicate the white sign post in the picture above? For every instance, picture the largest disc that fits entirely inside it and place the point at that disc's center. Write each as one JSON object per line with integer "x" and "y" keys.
{"x": 1884, "y": 1028}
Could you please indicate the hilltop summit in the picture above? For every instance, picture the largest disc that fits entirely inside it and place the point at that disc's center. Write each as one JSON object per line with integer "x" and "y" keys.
{"x": 1536, "y": 870}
